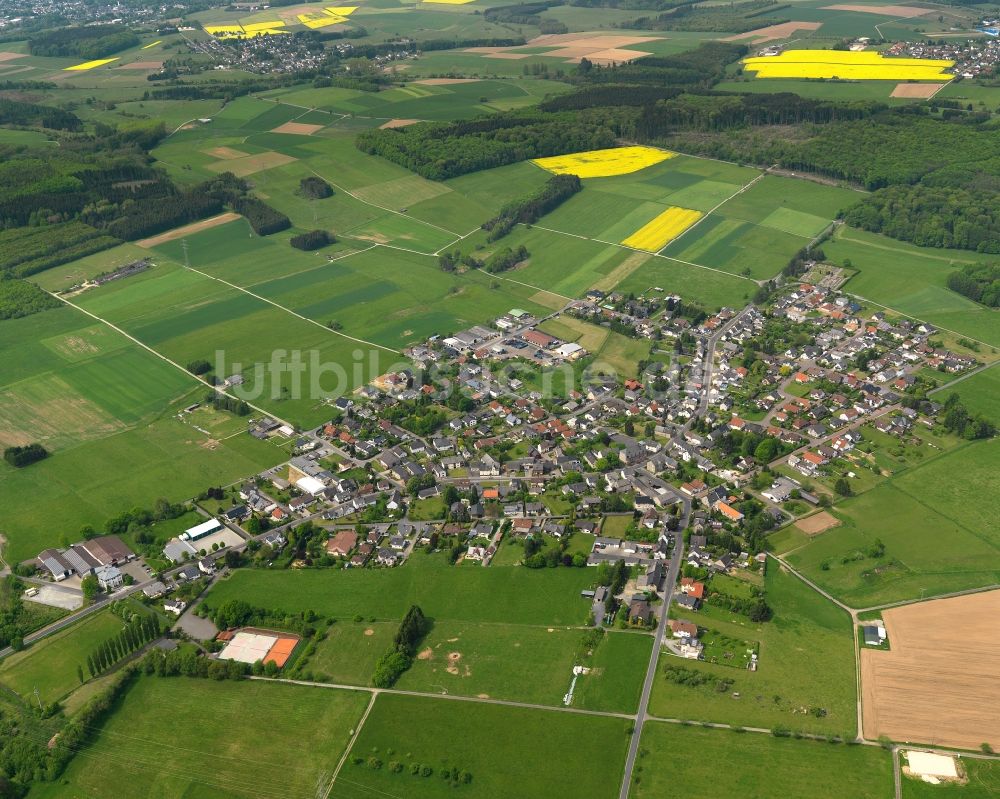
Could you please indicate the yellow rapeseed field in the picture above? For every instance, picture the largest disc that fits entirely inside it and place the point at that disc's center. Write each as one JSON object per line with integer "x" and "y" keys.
{"x": 848, "y": 65}
{"x": 264, "y": 27}
{"x": 666, "y": 227}
{"x": 152, "y": 44}
{"x": 100, "y": 62}
{"x": 321, "y": 20}
{"x": 604, "y": 163}
{"x": 342, "y": 11}
{"x": 222, "y": 30}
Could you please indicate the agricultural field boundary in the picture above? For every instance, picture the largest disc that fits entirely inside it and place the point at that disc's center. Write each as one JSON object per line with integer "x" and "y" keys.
{"x": 349, "y": 193}
{"x": 163, "y": 357}
{"x": 646, "y": 252}
{"x": 706, "y": 215}
{"x": 293, "y": 313}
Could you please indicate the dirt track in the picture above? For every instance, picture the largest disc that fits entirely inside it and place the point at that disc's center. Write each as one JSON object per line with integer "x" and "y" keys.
{"x": 939, "y": 682}
{"x": 187, "y": 230}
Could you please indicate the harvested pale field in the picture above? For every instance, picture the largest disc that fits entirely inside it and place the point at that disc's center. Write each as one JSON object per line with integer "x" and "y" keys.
{"x": 398, "y": 123}
{"x": 771, "y": 32}
{"x": 817, "y": 523}
{"x": 622, "y": 271}
{"x": 445, "y": 81}
{"x": 904, "y": 12}
{"x": 143, "y": 65}
{"x": 292, "y": 14}
{"x": 225, "y": 152}
{"x": 613, "y": 55}
{"x": 594, "y": 39}
{"x": 917, "y": 90}
{"x": 297, "y": 128}
{"x": 10, "y": 56}
{"x": 241, "y": 167}
{"x": 188, "y": 230}
{"x": 938, "y": 683}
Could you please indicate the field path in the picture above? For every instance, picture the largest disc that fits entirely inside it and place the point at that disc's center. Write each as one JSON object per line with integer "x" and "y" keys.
{"x": 349, "y": 193}
{"x": 350, "y": 745}
{"x": 296, "y": 314}
{"x": 655, "y": 254}
{"x": 164, "y": 358}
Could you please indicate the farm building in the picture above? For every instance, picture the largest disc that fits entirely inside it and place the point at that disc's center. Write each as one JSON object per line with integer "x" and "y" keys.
{"x": 201, "y": 530}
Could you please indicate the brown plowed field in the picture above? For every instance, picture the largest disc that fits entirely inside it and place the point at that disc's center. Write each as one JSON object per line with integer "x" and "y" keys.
{"x": 940, "y": 681}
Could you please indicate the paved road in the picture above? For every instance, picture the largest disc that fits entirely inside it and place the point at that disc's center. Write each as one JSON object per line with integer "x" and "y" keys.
{"x": 647, "y": 686}
{"x": 709, "y": 364}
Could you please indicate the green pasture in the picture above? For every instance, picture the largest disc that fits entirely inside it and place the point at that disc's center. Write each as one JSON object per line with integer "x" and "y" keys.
{"x": 98, "y": 479}
{"x": 806, "y": 660}
{"x": 911, "y": 280}
{"x": 63, "y": 277}
{"x": 512, "y": 595}
{"x": 935, "y": 521}
{"x": 252, "y": 739}
{"x": 349, "y": 651}
{"x": 50, "y": 666}
{"x": 983, "y": 783}
{"x": 980, "y": 393}
{"x": 706, "y": 763}
{"x": 568, "y": 754}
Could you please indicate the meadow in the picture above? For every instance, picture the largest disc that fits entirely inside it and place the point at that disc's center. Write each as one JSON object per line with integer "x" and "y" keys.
{"x": 106, "y": 410}
{"x": 937, "y": 530}
{"x": 980, "y": 393}
{"x": 706, "y": 763}
{"x": 806, "y": 663}
{"x": 911, "y": 280}
{"x": 983, "y": 783}
{"x": 226, "y": 750}
{"x": 50, "y": 666}
{"x": 510, "y": 595}
{"x": 488, "y": 742}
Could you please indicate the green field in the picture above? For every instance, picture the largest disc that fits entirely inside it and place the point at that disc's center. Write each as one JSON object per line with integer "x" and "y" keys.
{"x": 507, "y": 751}
{"x": 980, "y": 393}
{"x": 705, "y": 764}
{"x": 935, "y": 521}
{"x": 983, "y": 783}
{"x": 243, "y": 739}
{"x": 911, "y": 280}
{"x": 106, "y": 410}
{"x": 806, "y": 663}
{"x": 508, "y": 595}
{"x": 50, "y": 666}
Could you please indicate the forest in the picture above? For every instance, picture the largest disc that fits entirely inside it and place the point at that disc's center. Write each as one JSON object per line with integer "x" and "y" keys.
{"x": 978, "y": 282}
{"x": 87, "y": 42}
{"x": 27, "y": 250}
{"x": 439, "y": 151}
{"x": 262, "y": 217}
{"x": 732, "y": 18}
{"x": 20, "y": 298}
{"x": 24, "y": 114}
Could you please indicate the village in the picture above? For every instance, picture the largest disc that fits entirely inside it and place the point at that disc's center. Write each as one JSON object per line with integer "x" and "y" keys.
{"x": 739, "y": 423}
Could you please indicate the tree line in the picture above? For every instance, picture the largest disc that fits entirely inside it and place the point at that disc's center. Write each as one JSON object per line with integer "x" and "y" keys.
{"x": 311, "y": 240}
{"x": 527, "y": 210}
{"x": 264, "y": 219}
{"x": 133, "y": 636}
{"x": 399, "y": 657}
{"x": 979, "y": 282}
